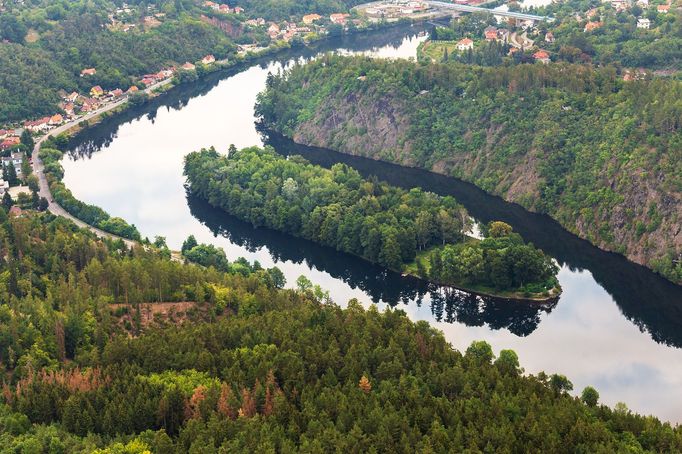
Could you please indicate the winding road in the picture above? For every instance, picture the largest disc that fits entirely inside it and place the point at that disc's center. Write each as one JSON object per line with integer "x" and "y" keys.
{"x": 39, "y": 169}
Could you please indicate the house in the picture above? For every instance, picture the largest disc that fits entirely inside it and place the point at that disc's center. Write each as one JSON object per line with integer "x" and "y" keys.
{"x": 73, "y": 97}
{"x": 223, "y": 8}
{"x": 96, "y": 91}
{"x": 644, "y": 23}
{"x": 132, "y": 89}
{"x": 273, "y": 31}
{"x": 211, "y": 5}
{"x": 4, "y": 133}
{"x": 116, "y": 93}
{"x": 255, "y": 22}
{"x": 465, "y": 44}
{"x": 14, "y": 160}
{"x": 4, "y": 186}
{"x": 591, "y": 26}
{"x": 549, "y": 37}
{"x": 148, "y": 81}
{"x": 88, "y": 72}
{"x": 542, "y": 56}
{"x": 490, "y": 33}
{"x": 208, "y": 59}
{"x": 38, "y": 125}
{"x": 69, "y": 108}
{"x": 238, "y": 10}
{"x": 56, "y": 120}
{"x": 663, "y": 9}
{"x": 594, "y": 12}
{"x": 188, "y": 66}
{"x": 339, "y": 18}
{"x": 9, "y": 142}
{"x": 89, "y": 105}
{"x": 308, "y": 19}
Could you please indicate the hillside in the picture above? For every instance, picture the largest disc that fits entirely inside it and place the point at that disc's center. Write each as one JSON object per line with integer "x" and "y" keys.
{"x": 601, "y": 156}
{"x": 109, "y": 350}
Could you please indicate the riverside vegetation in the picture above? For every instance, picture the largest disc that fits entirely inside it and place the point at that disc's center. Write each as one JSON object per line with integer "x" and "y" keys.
{"x": 600, "y": 155}
{"x": 246, "y": 365}
{"x": 407, "y": 231}
{"x": 47, "y": 43}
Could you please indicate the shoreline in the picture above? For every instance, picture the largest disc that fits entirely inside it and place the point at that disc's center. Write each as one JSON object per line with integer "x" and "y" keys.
{"x": 511, "y": 296}
{"x": 576, "y": 234}
{"x": 74, "y": 127}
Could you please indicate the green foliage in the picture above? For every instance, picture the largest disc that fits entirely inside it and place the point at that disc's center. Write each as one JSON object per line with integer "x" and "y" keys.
{"x": 373, "y": 220}
{"x": 281, "y": 372}
{"x": 571, "y": 141}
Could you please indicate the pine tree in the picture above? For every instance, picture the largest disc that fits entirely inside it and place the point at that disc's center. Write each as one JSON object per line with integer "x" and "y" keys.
{"x": 364, "y": 384}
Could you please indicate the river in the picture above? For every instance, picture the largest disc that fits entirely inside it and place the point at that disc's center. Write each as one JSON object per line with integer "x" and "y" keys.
{"x": 617, "y": 326}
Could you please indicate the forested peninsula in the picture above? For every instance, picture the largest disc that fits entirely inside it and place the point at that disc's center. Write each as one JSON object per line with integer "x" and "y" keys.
{"x": 600, "y": 155}
{"x": 414, "y": 232}
{"x": 109, "y": 350}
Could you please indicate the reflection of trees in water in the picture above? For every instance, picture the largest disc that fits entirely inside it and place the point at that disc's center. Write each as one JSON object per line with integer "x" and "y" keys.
{"x": 380, "y": 284}
{"x": 450, "y": 305}
{"x": 652, "y": 303}
{"x": 94, "y": 139}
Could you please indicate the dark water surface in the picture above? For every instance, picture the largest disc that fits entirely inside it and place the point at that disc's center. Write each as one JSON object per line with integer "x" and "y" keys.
{"x": 617, "y": 326}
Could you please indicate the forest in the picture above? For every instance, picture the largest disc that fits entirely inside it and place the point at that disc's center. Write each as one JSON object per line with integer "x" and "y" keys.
{"x": 600, "y": 155}
{"x": 246, "y": 365}
{"x": 381, "y": 223}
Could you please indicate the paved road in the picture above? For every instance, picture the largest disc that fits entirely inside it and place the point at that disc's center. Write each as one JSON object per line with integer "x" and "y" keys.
{"x": 39, "y": 168}
{"x": 520, "y": 41}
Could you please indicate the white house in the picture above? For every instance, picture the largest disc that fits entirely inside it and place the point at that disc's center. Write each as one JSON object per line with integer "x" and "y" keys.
{"x": 465, "y": 44}
{"x": 644, "y": 23}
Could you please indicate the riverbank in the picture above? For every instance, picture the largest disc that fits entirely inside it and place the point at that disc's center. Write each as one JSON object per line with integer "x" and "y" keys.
{"x": 547, "y": 296}
{"x": 74, "y": 127}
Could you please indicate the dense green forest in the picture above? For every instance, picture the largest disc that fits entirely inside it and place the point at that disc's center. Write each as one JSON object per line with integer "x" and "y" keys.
{"x": 248, "y": 366}
{"x": 378, "y": 222}
{"x": 600, "y": 155}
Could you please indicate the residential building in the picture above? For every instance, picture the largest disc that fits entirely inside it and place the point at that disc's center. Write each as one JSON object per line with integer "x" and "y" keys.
{"x": 88, "y": 72}
{"x": 644, "y": 23}
{"x": 542, "y": 56}
{"x": 339, "y": 18}
{"x": 56, "y": 120}
{"x": 96, "y": 91}
{"x": 490, "y": 33}
{"x": 188, "y": 66}
{"x": 549, "y": 37}
{"x": 4, "y": 187}
{"x": 308, "y": 19}
{"x": 208, "y": 59}
{"x": 663, "y": 9}
{"x": 465, "y": 44}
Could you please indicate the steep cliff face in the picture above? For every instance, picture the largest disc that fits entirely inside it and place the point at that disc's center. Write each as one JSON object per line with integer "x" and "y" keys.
{"x": 641, "y": 218}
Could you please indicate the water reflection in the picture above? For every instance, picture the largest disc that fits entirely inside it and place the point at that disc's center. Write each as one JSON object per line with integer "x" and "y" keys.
{"x": 448, "y": 305}
{"x": 654, "y": 304}
{"x": 131, "y": 166}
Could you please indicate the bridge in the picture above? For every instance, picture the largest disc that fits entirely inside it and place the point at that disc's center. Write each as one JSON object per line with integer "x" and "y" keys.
{"x": 478, "y": 9}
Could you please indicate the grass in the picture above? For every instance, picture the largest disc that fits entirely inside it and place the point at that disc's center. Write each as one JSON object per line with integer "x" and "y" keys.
{"x": 434, "y": 49}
